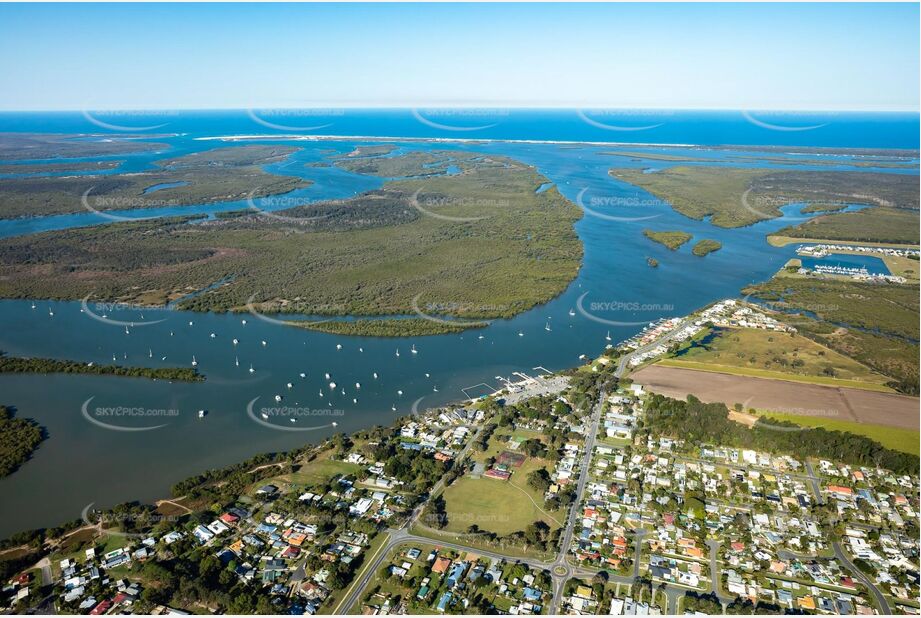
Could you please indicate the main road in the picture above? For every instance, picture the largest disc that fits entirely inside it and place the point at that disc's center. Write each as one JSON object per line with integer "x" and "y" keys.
{"x": 560, "y": 569}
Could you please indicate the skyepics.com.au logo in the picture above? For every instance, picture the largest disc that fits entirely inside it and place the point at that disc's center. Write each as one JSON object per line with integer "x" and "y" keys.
{"x": 791, "y": 314}
{"x": 102, "y": 311}
{"x": 298, "y": 307}
{"x": 296, "y": 120}
{"x": 100, "y": 205}
{"x": 127, "y": 418}
{"x": 464, "y": 119}
{"x": 594, "y": 204}
{"x": 293, "y": 418}
{"x": 430, "y": 206}
{"x": 430, "y": 311}
{"x": 786, "y": 121}
{"x": 130, "y": 121}
{"x": 271, "y": 207}
{"x": 114, "y": 523}
{"x": 605, "y": 311}
{"x": 625, "y": 119}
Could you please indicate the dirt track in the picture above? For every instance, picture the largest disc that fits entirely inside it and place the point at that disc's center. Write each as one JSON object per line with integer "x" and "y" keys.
{"x": 786, "y": 397}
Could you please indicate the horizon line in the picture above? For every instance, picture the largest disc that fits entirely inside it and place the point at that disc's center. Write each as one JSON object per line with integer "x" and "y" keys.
{"x": 485, "y": 107}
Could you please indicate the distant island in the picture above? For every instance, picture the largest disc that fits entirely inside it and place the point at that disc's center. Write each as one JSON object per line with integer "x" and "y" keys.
{"x": 450, "y": 234}
{"x": 672, "y": 240}
{"x": 705, "y": 246}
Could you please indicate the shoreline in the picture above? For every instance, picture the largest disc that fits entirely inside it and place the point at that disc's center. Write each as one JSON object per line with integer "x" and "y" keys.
{"x": 793, "y": 150}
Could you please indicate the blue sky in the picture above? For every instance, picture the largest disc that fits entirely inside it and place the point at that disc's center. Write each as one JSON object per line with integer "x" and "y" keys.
{"x": 717, "y": 56}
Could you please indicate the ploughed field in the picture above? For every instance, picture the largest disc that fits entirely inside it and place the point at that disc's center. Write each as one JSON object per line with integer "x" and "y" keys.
{"x": 828, "y": 402}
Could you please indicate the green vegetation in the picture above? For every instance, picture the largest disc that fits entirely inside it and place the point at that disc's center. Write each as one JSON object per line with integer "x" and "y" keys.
{"x": 415, "y": 163}
{"x": 735, "y": 197}
{"x": 17, "y": 146}
{"x": 19, "y": 437}
{"x": 821, "y": 208}
{"x": 885, "y": 225}
{"x": 403, "y": 327}
{"x": 221, "y": 174}
{"x": 371, "y": 151}
{"x": 708, "y": 423}
{"x": 477, "y": 245}
{"x": 895, "y": 438}
{"x": 655, "y": 156}
{"x": 672, "y": 240}
{"x": 63, "y": 166}
{"x": 875, "y": 324}
{"x": 777, "y": 355}
{"x": 11, "y": 364}
{"x": 705, "y": 246}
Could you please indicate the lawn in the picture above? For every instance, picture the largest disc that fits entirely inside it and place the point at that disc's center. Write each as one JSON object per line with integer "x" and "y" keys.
{"x": 782, "y": 356}
{"x": 499, "y": 506}
{"x": 316, "y": 472}
{"x": 895, "y": 438}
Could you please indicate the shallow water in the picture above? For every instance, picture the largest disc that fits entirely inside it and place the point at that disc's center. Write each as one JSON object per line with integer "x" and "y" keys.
{"x": 84, "y": 463}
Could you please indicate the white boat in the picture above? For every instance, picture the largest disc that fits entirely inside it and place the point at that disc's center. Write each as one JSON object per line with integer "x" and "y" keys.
{"x": 434, "y": 389}
{"x": 375, "y": 375}
{"x": 335, "y": 424}
{"x": 413, "y": 349}
{"x": 194, "y": 362}
{"x": 571, "y": 313}
{"x": 162, "y": 358}
{"x": 235, "y": 341}
{"x": 361, "y": 349}
{"x": 321, "y": 392}
{"x": 289, "y": 385}
{"x": 90, "y": 364}
{"x": 149, "y": 353}
{"x": 398, "y": 351}
{"x": 303, "y": 375}
{"x": 264, "y": 343}
{"x": 354, "y": 400}
{"x": 547, "y": 326}
{"x": 332, "y": 386}
{"x": 50, "y": 312}
{"x": 201, "y": 414}
{"x": 213, "y": 335}
{"x": 190, "y": 323}
{"x": 358, "y": 385}
{"x": 520, "y": 334}
{"x": 113, "y": 359}
{"x": 338, "y": 346}
{"x": 481, "y": 337}
{"x": 394, "y": 408}
{"x": 400, "y": 393}
{"x": 236, "y": 361}
{"x": 427, "y": 375}
{"x": 293, "y": 420}
{"x": 278, "y": 397}
{"x": 243, "y": 322}
{"x": 33, "y": 305}
{"x": 326, "y": 375}
{"x": 265, "y": 416}
{"x": 127, "y": 332}
{"x": 608, "y": 336}
{"x": 251, "y": 370}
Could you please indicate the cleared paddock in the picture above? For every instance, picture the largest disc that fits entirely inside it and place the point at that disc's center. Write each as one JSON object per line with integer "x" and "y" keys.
{"x": 856, "y": 405}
